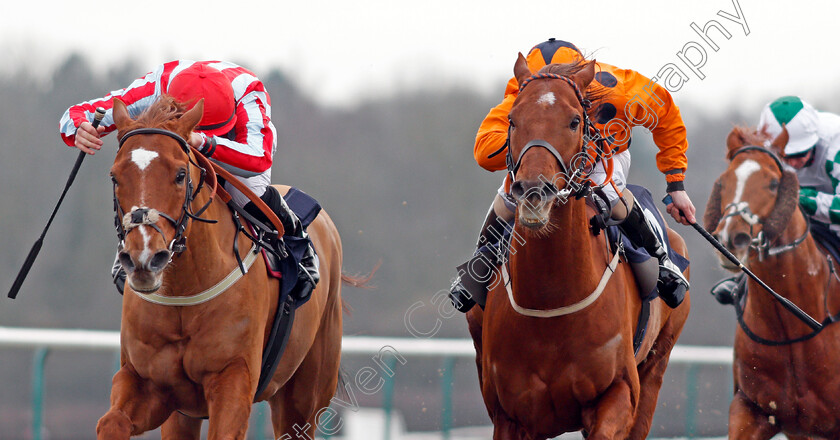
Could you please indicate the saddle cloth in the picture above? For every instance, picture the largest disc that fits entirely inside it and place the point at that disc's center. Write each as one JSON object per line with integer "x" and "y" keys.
{"x": 635, "y": 254}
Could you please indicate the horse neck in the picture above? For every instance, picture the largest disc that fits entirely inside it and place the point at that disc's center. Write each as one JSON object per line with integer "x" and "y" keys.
{"x": 207, "y": 243}
{"x": 558, "y": 268}
{"x": 800, "y": 275}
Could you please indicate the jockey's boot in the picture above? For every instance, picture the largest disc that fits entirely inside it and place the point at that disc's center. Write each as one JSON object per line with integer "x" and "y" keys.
{"x": 118, "y": 274}
{"x": 728, "y": 290}
{"x": 672, "y": 285}
{"x": 308, "y": 275}
{"x": 474, "y": 276}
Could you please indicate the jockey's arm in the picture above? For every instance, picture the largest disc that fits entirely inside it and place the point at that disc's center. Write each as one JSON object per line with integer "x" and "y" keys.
{"x": 824, "y": 206}
{"x": 493, "y": 131}
{"x": 652, "y": 107}
{"x": 75, "y": 127}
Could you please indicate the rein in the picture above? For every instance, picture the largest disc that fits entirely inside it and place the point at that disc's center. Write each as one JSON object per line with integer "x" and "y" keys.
{"x": 576, "y": 170}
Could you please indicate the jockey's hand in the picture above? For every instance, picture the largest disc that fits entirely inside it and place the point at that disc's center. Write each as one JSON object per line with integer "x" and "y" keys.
{"x": 681, "y": 202}
{"x": 88, "y": 138}
{"x": 196, "y": 141}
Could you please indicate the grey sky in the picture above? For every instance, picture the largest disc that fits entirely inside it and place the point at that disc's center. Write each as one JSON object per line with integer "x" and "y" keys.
{"x": 342, "y": 52}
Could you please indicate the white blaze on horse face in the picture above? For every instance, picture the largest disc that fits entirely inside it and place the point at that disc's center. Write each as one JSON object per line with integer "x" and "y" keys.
{"x": 142, "y": 158}
{"x": 546, "y": 99}
{"x": 743, "y": 173}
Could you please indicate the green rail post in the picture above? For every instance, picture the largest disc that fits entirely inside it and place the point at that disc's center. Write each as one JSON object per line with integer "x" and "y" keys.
{"x": 39, "y": 362}
{"x": 388, "y": 396}
{"x": 257, "y": 428}
{"x": 446, "y": 392}
{"x": 691, "y": 401}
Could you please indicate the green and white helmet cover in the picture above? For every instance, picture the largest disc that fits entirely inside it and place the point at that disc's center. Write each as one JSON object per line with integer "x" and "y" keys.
{"x": 800, "y": 119}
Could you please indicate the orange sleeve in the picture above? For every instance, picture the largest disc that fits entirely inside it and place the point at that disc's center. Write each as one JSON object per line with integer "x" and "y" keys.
{"x": 493, "y": 131}
{"x": 651, "y": 106}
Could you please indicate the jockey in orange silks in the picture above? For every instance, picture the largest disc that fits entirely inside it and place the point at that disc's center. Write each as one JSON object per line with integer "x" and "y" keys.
{"x": 630, "y": 99}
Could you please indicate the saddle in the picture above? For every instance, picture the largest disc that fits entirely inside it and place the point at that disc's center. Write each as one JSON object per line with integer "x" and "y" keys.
{"x": 282, "y": 267}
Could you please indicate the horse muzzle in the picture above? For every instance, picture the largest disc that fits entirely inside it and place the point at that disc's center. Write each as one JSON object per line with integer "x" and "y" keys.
{"x": 534, "y": 200}
{"x": 144, "y": 269}
{"x": 736, "y": 242}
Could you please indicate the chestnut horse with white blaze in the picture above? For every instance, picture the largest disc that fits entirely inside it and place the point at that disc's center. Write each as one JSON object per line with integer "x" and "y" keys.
{"x": 183, "y": 363}
{"x": 785, "y": 373}
{"x": 551, "y": 359}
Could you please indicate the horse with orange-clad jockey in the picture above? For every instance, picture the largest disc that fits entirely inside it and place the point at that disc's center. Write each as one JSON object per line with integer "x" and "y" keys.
{"x": 627, "y": 99}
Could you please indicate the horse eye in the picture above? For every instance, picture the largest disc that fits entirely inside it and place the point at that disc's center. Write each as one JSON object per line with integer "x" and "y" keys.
{"x": 774, "y": 184}
{"x": 181, "y": 176}
{"x": 575, "y": 123}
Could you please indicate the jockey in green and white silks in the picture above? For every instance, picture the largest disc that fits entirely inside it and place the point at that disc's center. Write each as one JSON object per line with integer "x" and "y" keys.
{"x": 813, "y": 149}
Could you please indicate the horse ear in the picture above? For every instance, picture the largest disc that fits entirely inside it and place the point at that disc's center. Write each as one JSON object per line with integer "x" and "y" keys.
{"x": 121, "y": 116}
{"x": 191, "y": 118}
{"x": 734, "y": 142}
{"x": 521, "y": 71}
{"x": 781, "y": 140}
{"x": 585, "y": 76}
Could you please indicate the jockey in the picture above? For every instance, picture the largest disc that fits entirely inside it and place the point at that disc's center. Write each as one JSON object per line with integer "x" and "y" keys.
{"x": 813, "y": 150}
{"x": 235, "y": 131}
{"x": 632, "y": 100}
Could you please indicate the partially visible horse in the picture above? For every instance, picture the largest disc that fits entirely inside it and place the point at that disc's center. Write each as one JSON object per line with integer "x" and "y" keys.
{"x": 182, "y": 363}
{"x": 552, "y": 355}
{"x": 785, "y": 373}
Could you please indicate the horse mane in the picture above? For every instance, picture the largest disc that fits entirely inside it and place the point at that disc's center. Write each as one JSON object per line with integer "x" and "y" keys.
{"x": 163, "y": 113}
{"x": 595, "y": 92}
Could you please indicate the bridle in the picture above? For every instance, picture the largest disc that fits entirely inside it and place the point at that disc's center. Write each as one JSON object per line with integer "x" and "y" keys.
{"x": 759, "y": 241}
{"x": 577, "y": 183}
{"x": 144, "y": 216}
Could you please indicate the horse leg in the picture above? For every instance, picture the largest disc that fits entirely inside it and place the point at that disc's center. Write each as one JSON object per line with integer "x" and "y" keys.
{"x": 229, "y": 395}
{"x": 506, "y": 429}
{"x": 612, "y": 416}
{"x": 474, "y": 323}
{"x": 296, "y": 405}
{"x": 747, "y": 421}
{"x": 652, "y": 370}
{"x": 135, "y": 408}
{"x": 181, "y": 427}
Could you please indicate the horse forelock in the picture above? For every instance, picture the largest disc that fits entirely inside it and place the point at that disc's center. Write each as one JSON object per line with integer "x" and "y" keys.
{"x": 595, "y": 92}
{"x": 163, "y": 113}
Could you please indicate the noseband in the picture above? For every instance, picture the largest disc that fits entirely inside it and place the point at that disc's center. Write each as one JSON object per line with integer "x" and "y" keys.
{"x": 760, "y": 242}
{"x": 576, "y": 170}
{"x": 143, "y": 216}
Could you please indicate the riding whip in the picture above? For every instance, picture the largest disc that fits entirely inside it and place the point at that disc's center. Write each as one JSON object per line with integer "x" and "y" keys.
{"x": 36, "y": 248}
{"x": 786, "y": 303}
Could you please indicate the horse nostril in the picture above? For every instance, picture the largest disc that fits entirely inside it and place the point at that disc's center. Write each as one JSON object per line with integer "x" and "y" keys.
{"x": 741, "y": 240}
{"x": 517, "y": 190}
{"x": 126, "y": 262}
{"x": 159, "y": 260}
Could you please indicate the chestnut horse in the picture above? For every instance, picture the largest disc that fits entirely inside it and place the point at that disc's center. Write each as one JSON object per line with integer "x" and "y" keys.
{"x": 183, "y": 363}
{"x": 551, "y": 359}
{"x": 785, "y": 373}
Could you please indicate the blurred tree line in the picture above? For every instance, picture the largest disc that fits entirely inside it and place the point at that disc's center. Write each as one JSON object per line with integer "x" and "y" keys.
{"x": 396, "y": 174}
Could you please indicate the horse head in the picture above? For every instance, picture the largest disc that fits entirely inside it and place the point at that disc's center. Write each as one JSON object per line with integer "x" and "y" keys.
{"x": 152, "y": 187}
{"x": 548, "y": 121}
{"x": 752, "y": 202}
